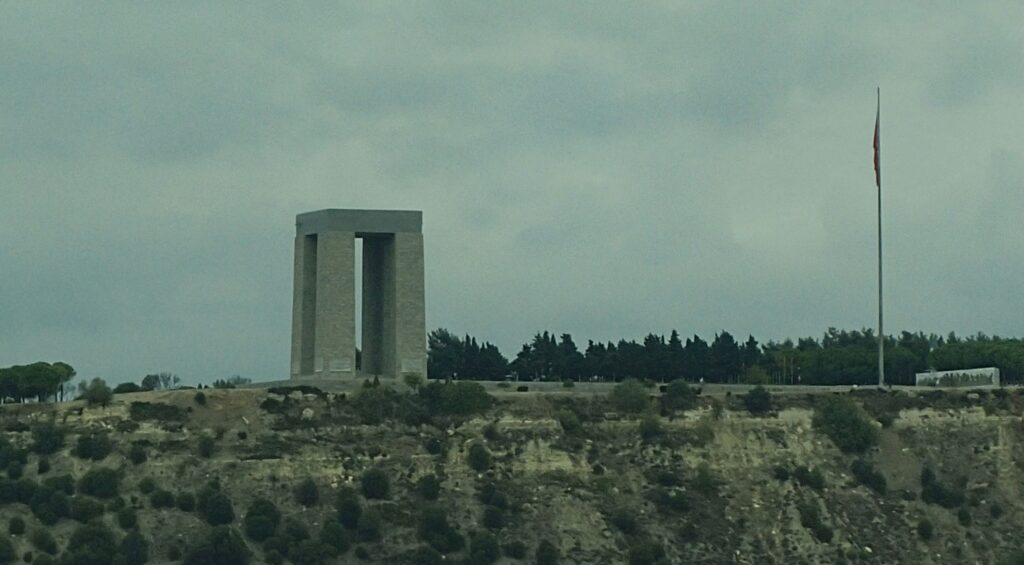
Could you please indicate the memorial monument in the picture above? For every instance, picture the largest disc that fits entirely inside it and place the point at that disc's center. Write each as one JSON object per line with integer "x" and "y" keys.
{"x": 323, "y": 307}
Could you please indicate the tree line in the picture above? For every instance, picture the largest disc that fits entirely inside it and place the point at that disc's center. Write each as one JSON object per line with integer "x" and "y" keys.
{"x": 838, "y": 357}
{"x": 39, "y": 381}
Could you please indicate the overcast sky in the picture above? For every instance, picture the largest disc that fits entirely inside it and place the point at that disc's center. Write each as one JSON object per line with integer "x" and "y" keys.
{"x": 606, "y": 169}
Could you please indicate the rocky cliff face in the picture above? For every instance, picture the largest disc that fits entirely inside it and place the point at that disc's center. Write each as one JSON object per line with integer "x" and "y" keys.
{"x": 710, "y": 485}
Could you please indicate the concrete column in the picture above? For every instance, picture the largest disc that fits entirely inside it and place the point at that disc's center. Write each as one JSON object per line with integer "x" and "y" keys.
{"x": 410, "y": 348}
{"x": 335, "y": 344}
{"x": 304, "y": 306}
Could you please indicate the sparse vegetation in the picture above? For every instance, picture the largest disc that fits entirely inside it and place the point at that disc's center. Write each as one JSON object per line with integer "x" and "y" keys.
{"x": 845, "y": 423}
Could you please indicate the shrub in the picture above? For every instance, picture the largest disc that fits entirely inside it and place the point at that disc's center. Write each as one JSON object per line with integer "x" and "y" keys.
{"x": 491, "y": 432}
{"x": 127, "y": 519}
{"x": 925, "y": 529}
{"x": 174, "y": 553}
{"x": 214, "y": 506}
{"x": 646, "y": 552}
{"x": 47, "y": 438}
{"x": 650, "y": 427}
{"x": 624, "y": 519}
{"x": 375, "y": 484}
{"x": 92, "y": 543}
{"x": 845, "y": 423}
{"x": 459, "y": 398}
{"x": 100, "y": 482}
{"x": 522, "y": 388}
{"x": 758, "y": 401}
{"x": 934, "y": 492}
{"x": 426, "y": 555}
{"x": 94, "y": 445}
{"x": 261, "y": 519}
{"x": 147, "y": 485}
{"x": 349, "y": 509}
{"x": 137, "y": 454}
{"x": 7, "y": 554}
{"x": 306, "y": 492}
{"x": 568, "y": 383}
{"x": 63, "y": 483}
{"x": 43, "y": 541}
{"x": 811, "y": 477}
{"x": 483, "y": 549}
{"x": 568, "y": 419}
{"x": 134, "y": 548}
{"x": 867, "y": 475}
{"x": 161, "y": 499}
{"x": 705, "y": 482}
{"x": 996, "y": 510}
{"x": 434, "y": 529}
{"x": 206, "y": 447}
{"x": 479, "y": 458}
{"x": 15, "y": 469}
{"x": 781, "y": 473}
{"x": 123, "y": 388}
{"x": 334, "y": 535}
{"x": 964, "y": 517}
{"x": 223, "y": 546}
{"x": 547, "y": 553}
{"x": 428, "y": 487}
{"x": 160, "y": 412}
{"x": 185, "y": 501}
{"x": 491, "y": 495}
{"x": 494, "y": 518}
{"x": 16, "y": 526}
{"x": 294, "y": 531}
{"x": 679, "y": 396}
{"x": 630, "y": 397}
{"x": 368, "y": 528}
{"x": 43, "y": 466}
{"x": 514, "y": 549}
{"x": 97, "y": 393}
{"x": 310, "y": 552}
{"x": 200, "y": 398}
{"x": 810, "y": 518}
{"x": 84, "y": 509}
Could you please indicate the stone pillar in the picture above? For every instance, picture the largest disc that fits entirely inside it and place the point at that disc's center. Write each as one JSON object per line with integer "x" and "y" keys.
{"x": 378, "y": 255}
{"x": 304, "y": 306}
{"x": 335, "y": 343}
{"x": 410, "y": 351}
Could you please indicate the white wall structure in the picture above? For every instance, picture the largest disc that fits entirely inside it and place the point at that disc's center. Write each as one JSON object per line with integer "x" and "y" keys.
{"x": 988, "y": 376}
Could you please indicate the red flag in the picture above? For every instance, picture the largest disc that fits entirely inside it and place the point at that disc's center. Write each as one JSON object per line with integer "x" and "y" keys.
{"x": 878, "y": 171}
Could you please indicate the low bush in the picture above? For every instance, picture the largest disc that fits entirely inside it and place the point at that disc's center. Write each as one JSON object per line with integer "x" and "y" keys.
{"x": 161, "y": 499}
{"x": 206, "y": 447}
{"x": 491, "y": 495}
{"x": 457, "y": 398}
{"x": 866, "y": 474}
{"x": 369, "y": 527}
{"x": 810, "y": 518}
{"x": 222, "y": 546}
{"x": 15, "y": 469}
{"x": 758, "y": 401}
{"x": 185, "y": 501}
{"x": 16, "y": 526}
{"x": 84, "y": 508}
{"x": 147, "y": 485}
{"x": 44, "y": 541}
{"x": 127, "y": 518}
{"x": 349, "y": 508}
{"x": 925, "y": 529}
{"x": 934, "y": 492}
{"x": 650, "y": 427}
{"x": 478, "y": 458}
{"x": 522, "y": 388}
{"x": 434, "y": 529}
{"x": 428, "y": 487}
{"x": 137, "y": 454}
{"x": 630, "y": 397}
{"x": 335, "y": 535}
{"x": 47, "y": 438}
{"x": 134, "y": 548}
{"x": 261, "y": 519}
{"x": 199, "y": 398}
{"x": 306, "y": 492}
{"x": 569, "y": 421}
{"x": 214, "y": 506}
{"x": 547, "y": 553}
{"x": 483, "y": 549}
{"x": 97, "y": 393}
{"x": 493, "y": 518}
{"x": 7, "y": 554}
{"x": 157, "y": 411}
{"x": 646, "y": 552}
{"x": 624, "y": 519}
{"x": 91, "y": 543}
{"x": 514, "y": 549}
{"x": 43, "y": 466}
{"x": 375, "y": 484}
{"x": 845, "y": 423}
{"x": 100, "y": 482}
{"x": 124, "y": 388}
{"x": 63, "y": 483}
{"x": 568, "y": 383}
{"x": 679, "y": 396}
{"x": 964, "y": 517}
{"x": 94, "y": 445}
{"x": 781, "y": 473}
{"x": 810, "y": 477}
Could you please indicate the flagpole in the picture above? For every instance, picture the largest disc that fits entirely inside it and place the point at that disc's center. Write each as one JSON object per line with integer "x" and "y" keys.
{"x": 878, "y": 156}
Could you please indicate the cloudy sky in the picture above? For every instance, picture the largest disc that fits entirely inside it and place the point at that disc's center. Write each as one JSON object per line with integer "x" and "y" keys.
{"x": 604, "y": 168}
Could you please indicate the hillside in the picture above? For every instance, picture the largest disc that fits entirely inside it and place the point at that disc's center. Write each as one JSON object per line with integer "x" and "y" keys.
{"x": 707, "y": 482}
